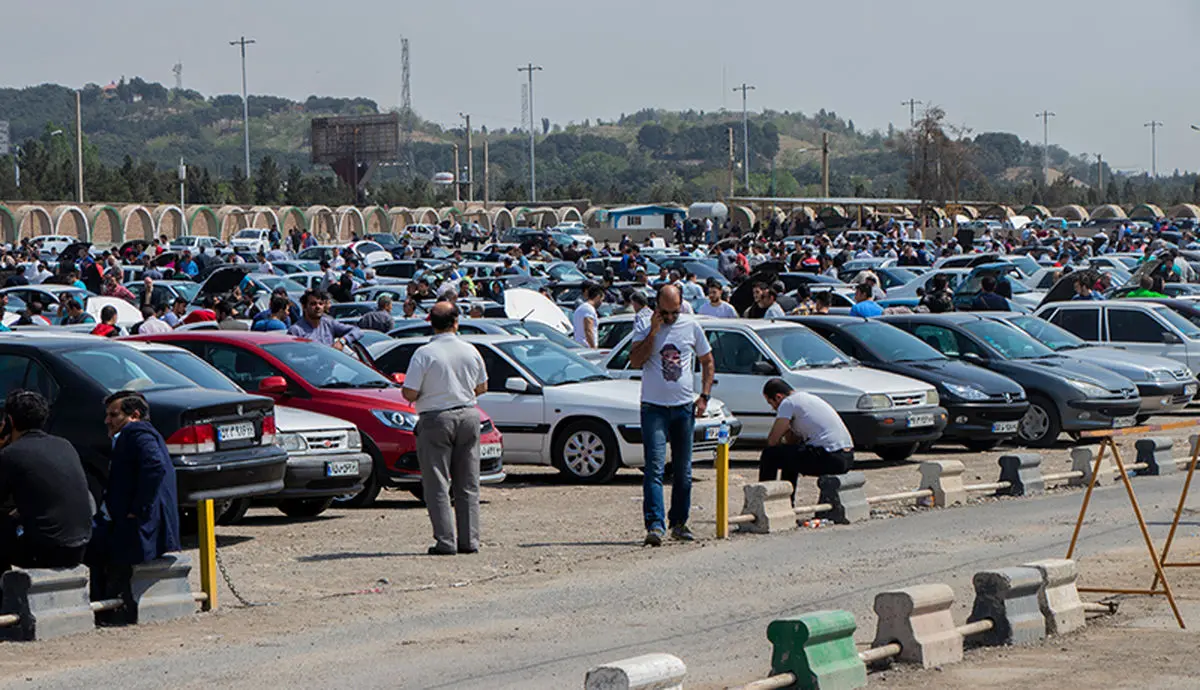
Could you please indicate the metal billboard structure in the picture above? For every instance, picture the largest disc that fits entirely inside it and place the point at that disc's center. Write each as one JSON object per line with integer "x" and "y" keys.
{"x": 353, "y": 145}
{"x": 5, "y": 144}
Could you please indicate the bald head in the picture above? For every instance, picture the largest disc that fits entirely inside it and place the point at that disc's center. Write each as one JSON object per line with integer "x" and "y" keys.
{"x": 670, "y": 300}
{"x": 444, "y": 317}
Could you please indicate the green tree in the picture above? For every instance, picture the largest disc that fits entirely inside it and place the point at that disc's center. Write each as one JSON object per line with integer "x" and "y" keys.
{"x": 267, "y": 183}
{"x": 654, "y": 137}
{"x": 239, "y": 187}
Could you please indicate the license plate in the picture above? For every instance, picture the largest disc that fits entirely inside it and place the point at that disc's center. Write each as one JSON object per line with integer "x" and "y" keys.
{"x": 1189, "y": 389}
{"x": 920, "y": 420}
{"x": 235, "y": 432}
{"x": 712, "y": 433}
{"x": 1005, "y": 427}
{"x": 490, "y": 451}
{"x": 1121, "y": 422}
{"x": 346, "y": 468}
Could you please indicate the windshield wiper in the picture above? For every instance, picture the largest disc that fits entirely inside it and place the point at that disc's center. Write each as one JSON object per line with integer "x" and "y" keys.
{"x": 352, "y": 384}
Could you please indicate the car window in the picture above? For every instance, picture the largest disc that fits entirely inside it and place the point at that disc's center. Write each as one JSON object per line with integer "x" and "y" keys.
{"x": 611, "y": 333}
{"x": 396, "y": 360}
{"x": 621, "y": 359}
{"x": 123, "y": 368}
{"x": 941, "y": 339}
{"x": 733, "y": 353}
{"x": 843, "y": 343}
{"x": 244, "y": 368}
{"x": 1132, "y": 326}
{"x": 196, "y": 369}
{"x": 1177, "y": 320}
{"x": 466, "y": 329}
{"x": 1084, "y": 323}
{"x": 18, "y": 371}
{"x": 498, "y": 369}
{"x": 414, "y": 331}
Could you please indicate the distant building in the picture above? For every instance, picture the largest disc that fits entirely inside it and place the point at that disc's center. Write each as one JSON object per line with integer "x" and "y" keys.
{"x": 652, "y": 217}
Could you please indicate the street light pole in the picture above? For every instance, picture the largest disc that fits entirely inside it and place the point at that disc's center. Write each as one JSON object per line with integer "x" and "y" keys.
{"x": 78, "y": 147}
{"x": 531, "y": 68}
{"x": 1045, "y": 115}
{"x": 243, "y": 42}
{"x": 470, "y": 161}
{"x": 1153, "y": 125}
{"x": 745, "y": 136}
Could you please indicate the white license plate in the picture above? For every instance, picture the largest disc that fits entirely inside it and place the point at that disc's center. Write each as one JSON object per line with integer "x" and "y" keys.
{"x": 1005, "y": 427}
{"x": 346, "y": 468}
{"x": 235, "y": 432}
{"x": 920, "y": 420}
{"x": 1189, "y": 389}
{"x": 1122, "y": 422}
{"x": 490, "y": 451}
{"x": 712, "y": 433}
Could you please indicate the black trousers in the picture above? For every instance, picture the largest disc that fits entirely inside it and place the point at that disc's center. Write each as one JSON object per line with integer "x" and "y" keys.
{"x": 789, "y": 461}
{"x": 24, "y": 552}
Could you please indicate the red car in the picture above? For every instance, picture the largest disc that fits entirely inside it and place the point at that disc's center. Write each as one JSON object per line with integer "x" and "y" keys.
{"x": 311, "y": 376}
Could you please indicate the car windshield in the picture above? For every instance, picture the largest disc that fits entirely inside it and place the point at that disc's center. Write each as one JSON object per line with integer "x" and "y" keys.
{"x": 565, "y": 272}
{"x": 1187, "y": 328}
{"x": 536, "y": 329}
{"x": 385, "y": 239}
{"x": 551, "y": 364}
{"x": 187, "y": 290}
{"x": 272, "y": 282}
{"x": 800, "y": 348}
{"x": 1048, "y": 334}
{"x": 202, "y": 373}
{"x": 118, "y": 368}
{"x": 975, "y": 284}
{"x": 249, "y": 234}
{"x": 891, "y": 344}
{"x": 325, "y": 367}
{"x": 185, "y": 241}
{"x": 1009, "y": 341}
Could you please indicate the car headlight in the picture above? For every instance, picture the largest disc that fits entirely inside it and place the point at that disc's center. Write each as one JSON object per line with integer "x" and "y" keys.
{"x": 396, "y": 419}
{"x": 292, "y": 443}
{"x": 353, "y": 440}
{"x": 874, "y": 402}
{"x": 932, "y": 398}
{"x": 1090, "y": 390}
{"x": 965, "y": 392}
{"x": 1160, "y": 376}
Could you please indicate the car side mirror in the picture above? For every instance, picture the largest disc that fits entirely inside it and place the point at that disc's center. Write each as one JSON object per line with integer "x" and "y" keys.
{"x": 273, "y": 385}
{"x": 972, "y": 357}
{"x": 397, "y": 377}
{"x": 1170, "y": 338}
{"x": 516, "y": 384}
{"x": 764, "y": 368}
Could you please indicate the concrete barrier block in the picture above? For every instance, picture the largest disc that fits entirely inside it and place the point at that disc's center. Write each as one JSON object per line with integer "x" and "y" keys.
{"x": 819, "y": 649}
{"x": 847, "y": 493}
{"x": 771, "y": 505}
{"x": 919, "y": 619}
{"x": 945, "y": 478}
{"x": 1009, "y": 598}
{"x": 1084, "y": 460}
{"x": 159, "y": 590}
{"x": 1158, "y": 452}
{"x": 50, "y": 602}
{"x": 1024, "y": 472}
{"x": 1058, "y": 598}
{"x": 646, "y": 672}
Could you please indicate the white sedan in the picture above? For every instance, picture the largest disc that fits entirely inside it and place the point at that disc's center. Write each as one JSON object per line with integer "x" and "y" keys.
{"x": 555, "y": 408}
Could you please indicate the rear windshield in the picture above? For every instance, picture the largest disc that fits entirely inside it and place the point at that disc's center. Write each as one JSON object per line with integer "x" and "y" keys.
{"x": 119, "y": 368}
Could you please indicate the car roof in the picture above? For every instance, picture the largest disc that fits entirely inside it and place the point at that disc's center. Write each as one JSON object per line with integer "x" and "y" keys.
{"x": 252, "y": 337}
{"x": 832, "y": 319}
{"x": 955, "y": 317}
{"x": 66, "y": 340}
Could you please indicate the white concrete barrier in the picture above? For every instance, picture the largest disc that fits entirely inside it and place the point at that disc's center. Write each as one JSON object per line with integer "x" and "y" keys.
{"x": 646, "y": 672}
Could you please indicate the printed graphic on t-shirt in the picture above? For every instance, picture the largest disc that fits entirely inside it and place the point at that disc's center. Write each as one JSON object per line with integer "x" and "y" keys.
{"x": 672, "y": 362}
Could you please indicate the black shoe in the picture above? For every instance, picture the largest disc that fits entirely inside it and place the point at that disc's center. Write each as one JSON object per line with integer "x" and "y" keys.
{"x": 435, "y": 551}
{"x": 462, "y": 550}
{"x": 654, "y": 537}
{"x": 682, "y": 533}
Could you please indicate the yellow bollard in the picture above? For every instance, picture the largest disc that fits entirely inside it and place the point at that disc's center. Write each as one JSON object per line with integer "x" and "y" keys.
{"x": 722, "y": 463}
{"x": 208, "y": 554}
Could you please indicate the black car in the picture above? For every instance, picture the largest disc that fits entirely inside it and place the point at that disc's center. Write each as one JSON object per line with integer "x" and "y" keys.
{"x": 983, "y": 407}
{"x": 221, "y": 442}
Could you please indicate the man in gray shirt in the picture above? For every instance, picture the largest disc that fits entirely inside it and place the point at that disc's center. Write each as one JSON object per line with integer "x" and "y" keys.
{"x": 381, "y": 319}
{"x": 320, "y": 328}
{"x": 443, "y": 379}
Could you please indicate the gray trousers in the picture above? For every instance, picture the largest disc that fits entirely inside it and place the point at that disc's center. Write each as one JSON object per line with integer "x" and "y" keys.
{"x": 448, "y": 453}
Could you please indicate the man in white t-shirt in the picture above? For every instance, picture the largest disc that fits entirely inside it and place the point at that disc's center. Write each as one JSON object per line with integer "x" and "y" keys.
{"x": 666, "y": 348}
{"x": 808, "y": 436}
{"x": 585, "y": 318}
{"x": 716, "y": 306}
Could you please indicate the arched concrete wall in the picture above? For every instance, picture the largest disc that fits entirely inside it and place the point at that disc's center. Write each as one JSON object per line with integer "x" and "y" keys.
{"x": 1035, "y": 211}
{"x": 168, "y": 220}
{"x": 449, "y": 213}
{"x": 264, "y": 217}
{"x": 321, "y": 222}
{"x": 71, "y": 220}
{"x": 741, "y": 216}
{"x": 291, "y": 217}
{"x": 568, "y": 214}
{"x": 480, "y": 216}
{"x": 1072, "y": 212}
{"x": 1146, "y": 212}
{"x": 425, "y": 215}
{"x": 399, "y": 217}
{"x": 1184, "y": 211}
{"x": 8, "y": 226}
{"x": 203, "y": 221}
{"x": 233, "y": 218}
{"x": 1108, "y": 211}
{"x": 33, "y": 221}
{"x": 137, "y": 223}
{"x": 375, "y": 219}
{"x": 349, "y": 220}
{"x": 591, "y": 216}
{"x": 106, "y": 225}
{"x": 503, "y": 219}
{"x": 998, "y": 212}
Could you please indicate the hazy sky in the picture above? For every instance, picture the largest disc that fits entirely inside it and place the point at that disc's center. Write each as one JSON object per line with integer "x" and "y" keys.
{"x": 1104, "y": 66}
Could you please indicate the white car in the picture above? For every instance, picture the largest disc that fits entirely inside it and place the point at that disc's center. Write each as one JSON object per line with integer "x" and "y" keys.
{"x": 251, "y": 241}
{"x": 1149, "y": 328}
{"x": 924, "y": 282}
{"x": 886, "y": 413}
{"x": 53, "y": 244}
{"x": 555, "y": 408}
{"x": 193, "y": 243}
{"x": 370, "y": 252}
{"x": 577, "y": 231}
{"x": 420, "y": 235}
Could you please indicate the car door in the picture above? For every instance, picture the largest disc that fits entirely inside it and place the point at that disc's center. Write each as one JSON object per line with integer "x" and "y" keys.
{"x": 1139, "y": 331}
{"x": 520, "y": 416}
{"x": 243, "y": 367}
{"x": 741, "y": 370}
{"x": 1082, "y": 321}
{"x": 939, "y": 338}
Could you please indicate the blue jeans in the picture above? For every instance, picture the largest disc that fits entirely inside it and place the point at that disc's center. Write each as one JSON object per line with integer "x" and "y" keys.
{"x": 659, "y": 425}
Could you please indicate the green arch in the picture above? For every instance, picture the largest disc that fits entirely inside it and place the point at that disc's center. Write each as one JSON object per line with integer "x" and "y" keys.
{"x": 119, "y": 231}
{"x": 12, "y": 223}
{"x": 212, "y": 216}
{"x": 285, "y": 211}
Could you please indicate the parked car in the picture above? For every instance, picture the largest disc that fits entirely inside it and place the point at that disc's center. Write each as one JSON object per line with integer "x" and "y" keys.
{"x": 885, "y": 413}
{"x": 194, "y": 243}
{"x": 984, "y": 408}
{"x": 251, "y": 241}
{"x": 165, "y": 291}
{"x": 1065, "y": 394}
{"x": 222, "y": 443}
{"x": 325, "y": 454}
{"x": 53, "y": 244}
{"x": 1163, "y": 384}
{"x": 1022, "y": 296}
{"x": 314, "y": 377}
{"x": 530, "y": 329}
{"x": 295, "y": 266}
{"x": 921, "y": 286}
{"x": 420, "y": 234}
{"x": 1145, "y": 327}
{"x": 556, "y": 408}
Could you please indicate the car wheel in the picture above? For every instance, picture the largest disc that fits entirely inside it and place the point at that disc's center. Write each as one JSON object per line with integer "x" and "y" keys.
{"x": 371, "y": 486}
{"x": 586, "y": 451}
{"x": 1142, "y": 419}
{"x": 304, "y": 507}
{"x": 896, "y": 453}
{"x": 235, "y": 512}
{"x": 1040, "y": 426}
{"x": 980, "y": 446}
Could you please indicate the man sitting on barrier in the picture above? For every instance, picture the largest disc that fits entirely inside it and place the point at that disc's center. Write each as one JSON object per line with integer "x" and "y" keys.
{"x": 808, "y": 437}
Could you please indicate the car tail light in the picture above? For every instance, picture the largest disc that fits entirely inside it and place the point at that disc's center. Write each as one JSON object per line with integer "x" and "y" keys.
{"x": 268, "y": 430}
{"x": 198, "y": 438}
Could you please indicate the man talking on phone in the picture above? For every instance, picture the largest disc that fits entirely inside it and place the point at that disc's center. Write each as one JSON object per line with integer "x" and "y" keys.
{"x": 665, "y": 348}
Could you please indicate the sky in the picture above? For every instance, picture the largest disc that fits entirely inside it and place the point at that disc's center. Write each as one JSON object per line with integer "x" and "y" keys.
{"x": 1104, "y": 67}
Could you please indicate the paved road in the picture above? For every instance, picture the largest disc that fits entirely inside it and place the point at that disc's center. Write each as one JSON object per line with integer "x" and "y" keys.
{"x": 709, "y": 604}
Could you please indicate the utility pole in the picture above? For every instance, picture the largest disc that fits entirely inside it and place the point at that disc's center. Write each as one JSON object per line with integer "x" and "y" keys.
{"x": 1153, "y": 125}
{"x": 457, "y": 177}
{"x": 731, "y": 159}
{"x": 242, "y": 43}
{"x": 1100, "y": 176}
{"x": 531, "y": 68}
{"x": 182, "y": 205}
{"x": 486, "y": 181}
{"x": 825, "y": 164}
{"x": 912, "y": 104}
{"x": 79, "y": 147}
{"x": 470, "y": 161}
{"x": 1045, "y": 115}
{"x": 745, "y": 136}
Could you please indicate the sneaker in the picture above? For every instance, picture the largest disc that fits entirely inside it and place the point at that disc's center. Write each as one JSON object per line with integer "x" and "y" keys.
{"x": 682, "y": 533}
{"x": 654, "y": 537}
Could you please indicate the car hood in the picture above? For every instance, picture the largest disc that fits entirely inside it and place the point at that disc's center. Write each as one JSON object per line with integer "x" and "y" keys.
{"x": 383, "y": 398}
{"x": 622, "y": 395}
{"x": 223, "y": 280}
{"x": 294, "y": 419}
{"x": 937, "y": 371}
{"x": 1072, "y": 368}
{"x": 858, "y": 380}
{"x": 1132, "y": 365}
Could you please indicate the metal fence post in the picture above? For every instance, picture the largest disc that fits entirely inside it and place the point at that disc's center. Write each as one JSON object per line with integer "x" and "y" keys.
{"x": 208, "y": 554}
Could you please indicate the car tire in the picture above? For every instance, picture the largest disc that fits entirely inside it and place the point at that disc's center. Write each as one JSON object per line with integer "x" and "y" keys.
{"x": 980, "y": 446}
{"x": 235, "y": 512}
{"x": 586, "y": 451}
{"x": 897, "y": 453}
{"x": 1142, "y": 419}
{"x": 1041, "y": 425}
{"x": 304, "y": 507}
{"x": 371, "y": 487}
